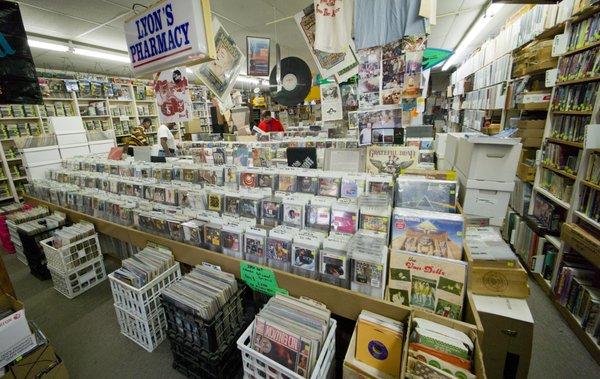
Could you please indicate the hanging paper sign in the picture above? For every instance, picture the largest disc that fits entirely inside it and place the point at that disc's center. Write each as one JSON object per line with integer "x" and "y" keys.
{"x": 18, "y": 78}
{"x": 172, "y": 95}
{"x": 220, "y": 75}
{"x": 258, "y": 53}
{"x": 331, "y": 102}
{"x": 432, "y": 57}
{"x": 170, "y": 33}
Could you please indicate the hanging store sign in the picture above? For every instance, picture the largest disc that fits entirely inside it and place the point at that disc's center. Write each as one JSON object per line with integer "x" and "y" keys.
{"x": 170, "y": 33}
{"x": 18, "y": 78}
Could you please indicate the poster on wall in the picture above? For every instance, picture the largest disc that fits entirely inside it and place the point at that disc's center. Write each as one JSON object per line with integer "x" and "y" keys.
{"x": 172, "y": 95}
{"x": 18, "y": 78}
{"x": 331, "y": 102}
{"x": 369, "y": 77}
{"x": 340, "y": 65}
{"x": 220, "y": 74}
{"x": 168, "y": 34}
{"x": 378, "y": 126}
{"x": 258, "y": 53}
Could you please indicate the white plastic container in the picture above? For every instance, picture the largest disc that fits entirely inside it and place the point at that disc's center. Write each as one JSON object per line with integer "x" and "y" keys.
{"x": 485, "y": 198}
{"x": 148, "y": 333}
{"x": 75, "y": 282}
{"x": 257, "y": 365}
{"x": 143, "y": 302}
{"x": 101, "y": 147}
{"x": 71, "y": 256}
{"x": 488, "y": 158}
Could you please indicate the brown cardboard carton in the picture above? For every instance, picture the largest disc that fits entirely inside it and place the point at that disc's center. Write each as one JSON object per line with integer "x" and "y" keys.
{"x": 531, "y": 124}
{"x": 40, "y": 363}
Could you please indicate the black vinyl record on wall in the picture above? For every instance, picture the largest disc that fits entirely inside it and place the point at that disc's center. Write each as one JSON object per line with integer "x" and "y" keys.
{"x": 295, "y": 82}
{"x": 18, "y": 78}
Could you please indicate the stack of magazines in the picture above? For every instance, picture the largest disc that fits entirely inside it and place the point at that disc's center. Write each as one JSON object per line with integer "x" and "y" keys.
{"x": 145, "y": 266}
{"x": 205, "y": 290}
{"x": 291, "y": 332}
{"x": 73, "y": 233}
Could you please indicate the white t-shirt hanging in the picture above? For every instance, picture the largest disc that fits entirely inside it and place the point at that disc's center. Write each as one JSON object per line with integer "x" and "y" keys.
{"x": 332, "y": 34}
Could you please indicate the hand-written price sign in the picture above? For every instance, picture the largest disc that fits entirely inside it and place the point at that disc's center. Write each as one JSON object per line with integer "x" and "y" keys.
{"x": 261, "y": 279}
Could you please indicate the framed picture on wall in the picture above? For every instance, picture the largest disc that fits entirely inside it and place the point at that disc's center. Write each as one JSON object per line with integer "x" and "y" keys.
{"x": 258, "y": 52}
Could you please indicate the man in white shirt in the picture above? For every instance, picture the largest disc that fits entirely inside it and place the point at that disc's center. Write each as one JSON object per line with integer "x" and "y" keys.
{"x": 166, "y": 139}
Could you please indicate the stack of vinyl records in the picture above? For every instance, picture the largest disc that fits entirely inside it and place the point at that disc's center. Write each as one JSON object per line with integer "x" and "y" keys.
{"x": 146, "y": 265}
{"x": 205, "y": 316}
{"x": 291, "y": 332}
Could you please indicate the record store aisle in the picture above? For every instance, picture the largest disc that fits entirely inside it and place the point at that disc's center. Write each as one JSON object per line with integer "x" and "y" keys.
{"x": 85, "y": 333}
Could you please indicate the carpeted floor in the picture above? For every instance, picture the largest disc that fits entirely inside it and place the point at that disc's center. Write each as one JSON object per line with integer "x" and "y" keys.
{"x": 85, "y": 333}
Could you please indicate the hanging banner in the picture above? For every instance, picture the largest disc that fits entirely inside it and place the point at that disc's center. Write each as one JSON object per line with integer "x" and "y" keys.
{"x": 18, "y": 78}
{"x": 331, "y": 102}
{"x": 258, "y": 53}
{"x": 220, "y": 75}
{"x": 170, "y": 33}
{"x": 173, "y": 96}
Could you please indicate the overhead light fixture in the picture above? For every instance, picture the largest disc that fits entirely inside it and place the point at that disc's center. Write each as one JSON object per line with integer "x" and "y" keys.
{"x": 477, "y": 28}
{"x": 101, "y": 55}
{"x": 47, "y": 45}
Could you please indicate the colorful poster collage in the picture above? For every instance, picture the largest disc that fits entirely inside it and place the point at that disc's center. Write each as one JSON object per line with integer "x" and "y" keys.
{"x": 377, "y": 126}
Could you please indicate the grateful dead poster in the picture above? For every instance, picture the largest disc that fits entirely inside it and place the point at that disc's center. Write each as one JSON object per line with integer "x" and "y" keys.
{"x": 172, "y": 95}
{"x": 391, "y": 159}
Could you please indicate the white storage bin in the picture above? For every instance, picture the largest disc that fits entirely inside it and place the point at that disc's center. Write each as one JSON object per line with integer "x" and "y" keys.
{"x": 101, "y": 147}
{"x": 443, "y": 164}
{"x": 77, "y": 150}
{"x": 143, "y": 302}
{"x": 148, "y": 333}
{"x": 38, "y": 171}
{"x": 440, "y": 143}
{"x": 257, "y": 365}
{"x": 66, "y": 140}
{"x": 484, "y": 198}
{"x": 488, "y": 158}
{"x": 452, "y": 146}
{"x": 75, "y": 282}
{"x": 40, "y": 155}
{"x": 71, "y": 256}
{"x": 66, "y": 125}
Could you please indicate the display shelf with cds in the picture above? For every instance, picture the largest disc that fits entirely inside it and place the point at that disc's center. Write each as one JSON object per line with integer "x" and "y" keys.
{"x": 340, "y": 301}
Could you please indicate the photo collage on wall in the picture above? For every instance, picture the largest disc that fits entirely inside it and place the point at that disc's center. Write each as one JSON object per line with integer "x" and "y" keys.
{"x": 389, "y": 83}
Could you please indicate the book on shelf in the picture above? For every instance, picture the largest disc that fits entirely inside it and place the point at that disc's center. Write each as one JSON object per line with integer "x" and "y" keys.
{"x": 592, "y": 174}
{"x": 589, "y": 203}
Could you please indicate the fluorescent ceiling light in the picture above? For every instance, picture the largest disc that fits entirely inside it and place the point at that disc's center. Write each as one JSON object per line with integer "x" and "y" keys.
{"x": 101, "y": 55}
{"x": 481, "y": 23}
{"x": 47, "y": 46}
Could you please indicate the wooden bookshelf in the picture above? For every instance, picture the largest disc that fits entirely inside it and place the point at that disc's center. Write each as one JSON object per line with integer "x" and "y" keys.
{"x": 591, "y": 185}
{"x": 559, "y": 172}
{"x": 577, "y": 81}
{"x": 574, "y": 113}
{"x": 564, "y": 142}
{"x": 592, "y": 347}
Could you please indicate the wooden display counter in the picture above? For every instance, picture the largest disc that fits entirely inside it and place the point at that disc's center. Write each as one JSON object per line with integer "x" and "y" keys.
{"x": 340, "y": 301}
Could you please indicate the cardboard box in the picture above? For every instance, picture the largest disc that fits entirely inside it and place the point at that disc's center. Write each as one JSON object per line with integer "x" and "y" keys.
{"x": 532, "y": 142}
{"x": 533, "y": 97}
{"x": 15, "y": 336}
{"x": 496, "y": 281}
{"x": 508, "y": 328}
{"x": 526, "y": 173}
{"x": 484, "y": 198}
{"x": 529, "y": 133}
{"x": 452, "y": 146}
{"x": 488, "y": 158}
{"x": 40, "y": 363}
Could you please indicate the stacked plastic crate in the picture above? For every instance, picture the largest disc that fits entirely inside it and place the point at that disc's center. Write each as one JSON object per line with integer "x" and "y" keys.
{"x": 139, "y": 311}
{"x": 206, "y": 348}
{"x": 12, "y": 222}
{"x": 75, "y": 267}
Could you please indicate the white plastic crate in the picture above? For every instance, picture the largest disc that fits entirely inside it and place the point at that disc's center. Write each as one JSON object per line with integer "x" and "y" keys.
{"x": 257, "y": 365}
{"x": 76, "y": 282}
{"x": 143, "y": 302}
{"x": 70, "y": 257}
{"x": 148, "y": 333}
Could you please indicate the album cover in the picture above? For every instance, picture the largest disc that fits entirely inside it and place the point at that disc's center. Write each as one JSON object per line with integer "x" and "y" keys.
{"x": 255, "y": 246}
{"x": 374, "y": 223}
{"x": 241, "y": 156}
{"x": 380, "y": 186}
{"x": 293, "y": 214}
{"x": 215, "y": 202}
{"x": 249, "y": 179}
{"x": 265, "y": 180}
{"x": 304, "y": 258}
{"x": 249, "y": 208}
{"x": 352, "y": 187}
{"x": 287, "y": 183}
{"x": 367, "y": 273}
{"x": 429, "y": 233}
{"x": 329, "y": 186}
{"x": 232, "y": 204}
{"x": 334, "y": 264}
{"x": 390, "y": 159}
{"x": 344, "y": 221}
{"x": 278, "y": 250}
{"x": 231, "y": 240}
{"x": 318, "y": 216}
{"x": 426, "y": 194}
{"x": 307, "y": 184}
{"x": 212, "y": 237}
{"x": 219, "y": 156}
{"x": 426, "y": 282}
{"x": 271, "y": 212}
{"x": 159, "y": 194}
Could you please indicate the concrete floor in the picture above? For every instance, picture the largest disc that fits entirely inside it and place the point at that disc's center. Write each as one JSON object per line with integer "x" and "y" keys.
{"x": 85, "y": 333}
